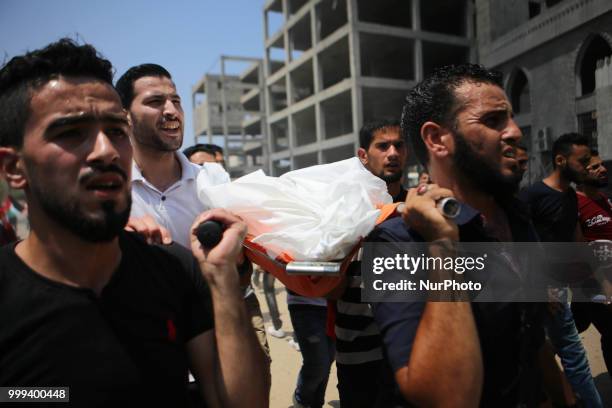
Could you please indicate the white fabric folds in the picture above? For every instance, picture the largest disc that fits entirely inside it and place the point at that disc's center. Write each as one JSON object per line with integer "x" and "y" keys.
{"x": 314, "y": 214}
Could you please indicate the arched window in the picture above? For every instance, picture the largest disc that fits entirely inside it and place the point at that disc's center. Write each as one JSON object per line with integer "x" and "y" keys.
{"x": 519, "y": 92}
{"x": 597, "y": 49}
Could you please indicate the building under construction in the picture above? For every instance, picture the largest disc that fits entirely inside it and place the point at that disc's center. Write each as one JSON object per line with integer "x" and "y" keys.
{"x": 331, "y": 65}
{"x": 230, "y": 107}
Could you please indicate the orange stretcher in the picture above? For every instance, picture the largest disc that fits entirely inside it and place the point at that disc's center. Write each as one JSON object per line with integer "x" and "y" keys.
{"x": 305, "y": 285}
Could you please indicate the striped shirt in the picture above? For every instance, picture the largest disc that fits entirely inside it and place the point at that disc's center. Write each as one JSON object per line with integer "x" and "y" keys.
{"x": 358, "y": 339}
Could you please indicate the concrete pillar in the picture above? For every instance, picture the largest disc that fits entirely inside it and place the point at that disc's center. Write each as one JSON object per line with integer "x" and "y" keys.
{"x": 603, "y": 95}
{"x": 355, "y": 65}
{"x": 418, "y": 43}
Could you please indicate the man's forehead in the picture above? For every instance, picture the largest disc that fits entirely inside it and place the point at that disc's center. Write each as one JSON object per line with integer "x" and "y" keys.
{"x": 581, "y": 150}
{"x": 154, "y": 84}
{"x": 386, "y": 134}
{"x": 595, "y": 161}
{"x": 73, "y": 96}
{"x": 482, "y": 95}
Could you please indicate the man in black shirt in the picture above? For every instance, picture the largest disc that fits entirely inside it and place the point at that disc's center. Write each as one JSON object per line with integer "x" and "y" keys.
{"x": 459, "y": 121}
{"x": 552, "y": 201}
{"x": 554, "y": 210}
{"x": 84, "y": 304}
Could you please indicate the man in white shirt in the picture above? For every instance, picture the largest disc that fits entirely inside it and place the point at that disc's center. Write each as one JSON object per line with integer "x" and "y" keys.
{"x": 163, "y": 179}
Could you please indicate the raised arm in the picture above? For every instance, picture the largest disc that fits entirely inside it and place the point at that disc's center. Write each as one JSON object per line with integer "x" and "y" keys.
{"x": 238, "y": 370}
{"x": 444, "y": 366}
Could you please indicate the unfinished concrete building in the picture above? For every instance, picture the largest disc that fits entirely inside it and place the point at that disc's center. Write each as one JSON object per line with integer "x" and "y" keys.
{"x": 253, "y": 126}
{"x": 218, "y": 111}
{"x": 331, "y": 65}
{"x": 553, "y": 54}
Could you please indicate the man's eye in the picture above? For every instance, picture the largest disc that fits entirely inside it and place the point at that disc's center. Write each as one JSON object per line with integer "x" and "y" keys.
{"x": 383, "y": 146}
{"x": 69, "y": 134}
{"x": 491, "y": 121}
{"x": 116, "y": 132}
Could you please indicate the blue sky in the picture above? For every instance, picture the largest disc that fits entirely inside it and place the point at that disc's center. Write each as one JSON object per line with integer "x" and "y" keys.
{"x": 185, "y": 36}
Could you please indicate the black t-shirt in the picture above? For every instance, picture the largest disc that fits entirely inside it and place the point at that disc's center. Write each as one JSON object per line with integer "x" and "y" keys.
{"x": 125, "y": 347}
{"x": 554, "y": 213}
{"x": 401, "y": 196}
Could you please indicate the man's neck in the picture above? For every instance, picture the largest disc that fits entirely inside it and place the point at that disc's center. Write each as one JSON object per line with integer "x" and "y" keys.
{"x": 60, "y": 255}
{"x": 466, "y": 192}
{"x": 161, "y": 168}
{"x": 394, "y": 188}
{"x": 557, "y": 182}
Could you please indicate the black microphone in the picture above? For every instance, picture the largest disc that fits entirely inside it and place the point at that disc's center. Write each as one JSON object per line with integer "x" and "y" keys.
{"x": 209, "y": 233}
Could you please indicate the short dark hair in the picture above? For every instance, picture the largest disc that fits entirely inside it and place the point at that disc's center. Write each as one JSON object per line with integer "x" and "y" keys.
{"x": 25, "y": 73}
{"x": 215, "y": 148}
{"x": 190, "y": 151}
{"x": 563, "y": 145}
{"x": 125, "y": 84}
{"x": 434, "y": 99}
{"x": 366, "y": 133}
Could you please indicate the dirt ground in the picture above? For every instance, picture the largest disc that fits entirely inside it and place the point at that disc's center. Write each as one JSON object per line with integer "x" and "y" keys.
{"x": 286, "y": 361}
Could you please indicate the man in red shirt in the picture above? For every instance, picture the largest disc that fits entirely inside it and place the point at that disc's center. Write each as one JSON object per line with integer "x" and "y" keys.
{"x": 594, "y": 208}
{"x": 595, "y": 217}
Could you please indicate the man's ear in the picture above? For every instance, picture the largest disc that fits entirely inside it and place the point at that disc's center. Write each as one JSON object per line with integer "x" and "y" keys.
{"x": 437, "y": 139}
{"x": 12, "y": 168}
{"x": 129, "y": 118}
{"x": 560, "y": 160}
{"x": 363, "y": 155}
{"x": 130, "y": 125}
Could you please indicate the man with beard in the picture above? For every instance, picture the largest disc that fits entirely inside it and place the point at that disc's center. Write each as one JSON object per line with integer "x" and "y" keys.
{"x": 164, "y": 180}
{"x": 595, "y": 217}
{"x": 554, "y": 210}
{"x": 83, "y": 303}
{"x": 364, "y": 379}
{"x": 594, "y": 208}
{"x": 382, "y": 150}
{"x": 459, "y": 121}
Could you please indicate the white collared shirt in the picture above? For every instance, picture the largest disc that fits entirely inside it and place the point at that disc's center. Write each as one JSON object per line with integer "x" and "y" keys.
{"x": 177, "y": 207}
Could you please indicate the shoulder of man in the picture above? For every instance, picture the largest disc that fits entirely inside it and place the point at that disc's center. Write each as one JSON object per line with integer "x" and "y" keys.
{"x": 529, "y": 193}
{"x": 393, "y": 230}
{"x": 174, "y": 256}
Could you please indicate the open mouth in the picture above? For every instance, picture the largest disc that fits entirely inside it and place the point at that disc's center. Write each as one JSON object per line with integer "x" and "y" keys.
{"x": 106, "y": 183}
{"x": 509, "y": 153}
{"x": 171, "y": 125}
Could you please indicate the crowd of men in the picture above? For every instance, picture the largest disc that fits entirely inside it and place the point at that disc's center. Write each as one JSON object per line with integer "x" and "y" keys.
{"x": 111, "y": 293}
